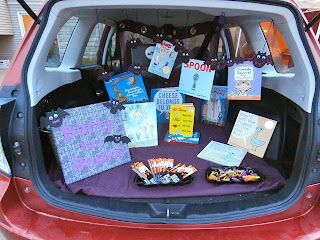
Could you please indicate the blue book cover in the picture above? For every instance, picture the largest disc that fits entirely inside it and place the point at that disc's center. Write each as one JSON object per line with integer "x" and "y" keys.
{"x": 140, "y": 124}
{"x": 164, "y": 97}
{"x": 244, "y": 82}
{"x": 163, "y": 59}
{"x": 215, "y": 110}
{"x": 196, "y": 79}
{"x": 172, "y": 138}
{"x": 127, "y": 87}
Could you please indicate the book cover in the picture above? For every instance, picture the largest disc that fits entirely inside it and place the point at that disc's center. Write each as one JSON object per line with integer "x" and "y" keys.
{"x": 194, "y": 139}
{"x": 80, "y": 142}
{"x": 244, "y": 82}
{"x": 181, "y": 119}
{"x": 252, "y": 132}
{"x": 163, "y": 59}
{"x": 140, "y": 123}
{"x": 127, "y": 87}
{"x": 196, "y": 79}
{"x": 223, "y": 154}
{"x": 164, "y": 97}
{"x": 215, "y": 110}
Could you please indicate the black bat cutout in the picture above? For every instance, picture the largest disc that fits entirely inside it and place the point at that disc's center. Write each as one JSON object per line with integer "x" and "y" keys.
{"x": 105, "y": 76}
{"x": 179, "y": 46}
{"x": 134, "y": 42}
{"x": 185, "y": 56}
{"x": 136, "y": 69}
{"x": 260, "y": 59}
{"x": 230, "y": 63}
{"x": 53, "y": 119}
{"x": 212, "y": 62}
{"x": 114, "y": 106}
{"x": 117, "y": 139}
{"x": 159, "y": 37}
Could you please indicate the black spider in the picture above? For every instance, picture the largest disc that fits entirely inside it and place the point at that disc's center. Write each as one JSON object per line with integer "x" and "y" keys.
{"x": 185, "y": 56}
{"x": 179, "y": 46}
{"x": 136, "y": 69}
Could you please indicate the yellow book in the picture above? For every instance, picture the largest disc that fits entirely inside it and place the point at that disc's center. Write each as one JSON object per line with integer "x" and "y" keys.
{"x": 182, "y": 119}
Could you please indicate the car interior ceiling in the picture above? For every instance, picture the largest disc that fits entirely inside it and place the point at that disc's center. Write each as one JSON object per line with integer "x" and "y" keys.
{"x": 276, "y": 166}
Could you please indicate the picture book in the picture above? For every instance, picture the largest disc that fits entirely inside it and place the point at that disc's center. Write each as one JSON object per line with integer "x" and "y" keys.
{"x": 140, "y": 123}
{"x": 182, "y": 119}
{"x": 244, "y": 82}
{"x": 163, "y": 59}
{"x": 252, "y": 132}
{"x": 215, "y": 110}
{"x": 80, "y": 144}
{"x": 164, "y": 97}
{"x": 171, "y": 138}
{"x": 196, "y": 79}
{"x": 127, "y": 87}
{"x": 223, "y": 154}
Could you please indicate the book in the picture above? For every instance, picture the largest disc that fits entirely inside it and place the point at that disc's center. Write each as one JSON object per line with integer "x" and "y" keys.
{"x": 223, "y": 154}
{"x": 196, "y": 79}
{"x": 252, "y": 132}
{"x": 127, "y": 87}
{"x": 163, "y": 59}
{"x": 171, "y": 138}
{"x": 181, "y": 119}
{"x": 80, "y": 142}
{"x": 215, "y": 110}
{"x": 244, "y": 82}
{"x": 164, "y": 97}
{"x": 140, "y": 124}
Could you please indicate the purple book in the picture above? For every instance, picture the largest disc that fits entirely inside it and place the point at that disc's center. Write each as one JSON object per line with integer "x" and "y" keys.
{"x": 81, "y": 145}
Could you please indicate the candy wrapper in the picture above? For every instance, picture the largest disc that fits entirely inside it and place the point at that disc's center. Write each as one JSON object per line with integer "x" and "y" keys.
{"x": 233, "y": 175}
{"x": 162, "y": 172}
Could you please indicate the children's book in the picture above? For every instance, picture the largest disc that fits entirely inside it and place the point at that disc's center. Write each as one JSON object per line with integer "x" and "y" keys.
{"x": 223, "y": 154}
{"x": 194, "y": 139}
{"x": 163, "y": 59}
{"x": 252, "y": 132}
{"x": 215, "y": 110}
{"x": 80, "y": 141}
{"x": 127, "y": 87}
{"x": 196, "y": 79}
{"x": 244, "y": 82}
{"x": 182, "y": 119}
{"x": 140, "y": 123}
{"x": 164, "y": 97}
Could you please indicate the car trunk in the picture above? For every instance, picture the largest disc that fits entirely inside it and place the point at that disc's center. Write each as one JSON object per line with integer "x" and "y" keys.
{"x": 114, "y": 193}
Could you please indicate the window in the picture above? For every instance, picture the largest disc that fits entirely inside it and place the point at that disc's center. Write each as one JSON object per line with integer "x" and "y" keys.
{"x": 278, "y": 47}
{"x": 92, "y": 48}
{"x": 242, "y": 48}
{"x": 25, "y": 22}
{"x": 60, "y": 43}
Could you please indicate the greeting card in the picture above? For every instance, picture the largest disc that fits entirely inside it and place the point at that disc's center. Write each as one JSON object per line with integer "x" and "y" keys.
{"x": 215, "y": 110}
{"x": 163, "y": 59}
{"x": 244, "y": 82}
{"x": 164, "y": 97}
{"x": 196, "y": 79}
{"x": 223, "y": 154}
{"x": 252, "y": 132}
{"x": 181, "y": 119}
{"x": 127, "y": 87}
{"x": 140, "y": 123}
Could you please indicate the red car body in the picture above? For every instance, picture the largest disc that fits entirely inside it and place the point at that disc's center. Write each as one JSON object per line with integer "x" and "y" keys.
{"x": 25, "y": 215}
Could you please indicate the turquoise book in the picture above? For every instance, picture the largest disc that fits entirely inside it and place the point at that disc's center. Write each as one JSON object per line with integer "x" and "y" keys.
{"x": 196, "y": 79}
{"x": 163, "y": 98}
{"x": 127, "y": 87}
{"x": 163, "y": 59}
{"x": 140, "y": 124}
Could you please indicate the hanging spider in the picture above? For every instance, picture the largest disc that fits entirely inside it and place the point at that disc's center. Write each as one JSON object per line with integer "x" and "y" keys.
{"x": 134, "y": 42}
{"x": 230, "y": 63}
{"x": 179, "y": 46}
{"x": 185, "y": 56}
{"x": 212, "y": 62}
{"x": 261, "y": 59}
{"x": 136, "y": 69}
{"x": 159, "y": 37}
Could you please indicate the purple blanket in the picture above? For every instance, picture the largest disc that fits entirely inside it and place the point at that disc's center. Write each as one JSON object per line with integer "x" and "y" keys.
{"x": 119, "y": 182}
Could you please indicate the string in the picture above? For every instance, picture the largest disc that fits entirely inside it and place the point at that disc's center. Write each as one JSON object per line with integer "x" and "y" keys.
{"x": 266, "y": 37}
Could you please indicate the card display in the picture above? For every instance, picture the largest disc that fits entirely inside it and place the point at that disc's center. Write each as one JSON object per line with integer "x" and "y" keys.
{"x": 170, "y": 138}
{"x": 244, "y": 82}
{"x": 252, "y": 132}
{"x": 164, "y": 97}
{"x": 140, "y": 123}
{"x": 163, "y": 59}
{"x": 196, "y": 79}
{"x": 127, "y": 87}
{"x": 215, "y": 110}
{"x": 223, "y": 154}
{"x": 182, "y": 119}
{"x": 80, "y": 146}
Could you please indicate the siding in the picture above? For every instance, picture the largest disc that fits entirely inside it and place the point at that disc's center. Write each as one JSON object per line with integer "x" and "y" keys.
{"x": 5, "y": 22}
{"x": 9, "y": 44}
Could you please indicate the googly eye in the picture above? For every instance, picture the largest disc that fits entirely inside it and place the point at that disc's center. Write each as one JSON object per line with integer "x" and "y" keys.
{"x": 55, "y": 115}
{"x": 258, "y": 56}
{"x": 50, "y": 118}
{"x": 263, "y": 57}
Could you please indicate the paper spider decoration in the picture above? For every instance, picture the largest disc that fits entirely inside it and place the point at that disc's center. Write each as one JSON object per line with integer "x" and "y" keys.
{"x": 134, "y": 42}
{"x": 179, "y": 46}
{"x": 136, "y": 69}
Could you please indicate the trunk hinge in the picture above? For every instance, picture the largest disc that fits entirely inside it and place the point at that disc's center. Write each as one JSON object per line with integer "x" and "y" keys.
{"x": 312, "y": 22}
{"x": 29, "y": 11}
